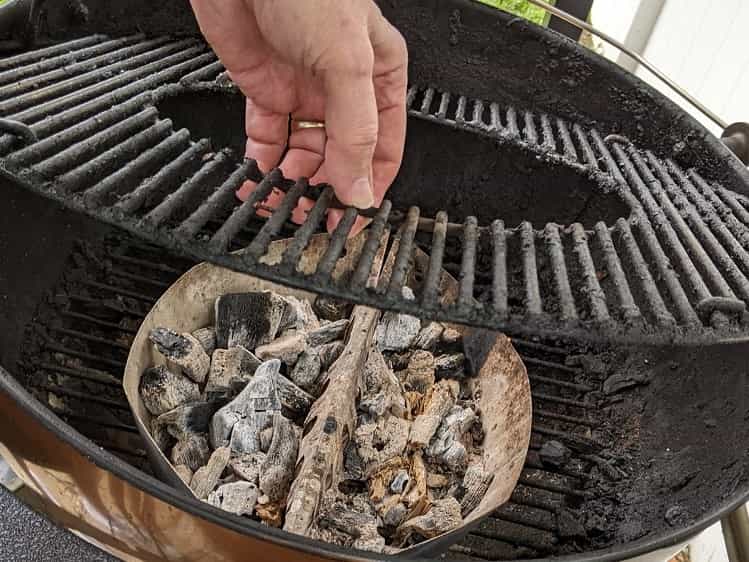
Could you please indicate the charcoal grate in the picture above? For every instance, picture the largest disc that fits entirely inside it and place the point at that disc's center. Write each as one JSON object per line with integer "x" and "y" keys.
{"x": 675, "y": 269}
{"x": 75, "y": 350}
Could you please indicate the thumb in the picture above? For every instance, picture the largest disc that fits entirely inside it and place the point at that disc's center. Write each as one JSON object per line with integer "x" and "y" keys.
{"x": 351, "y": 126}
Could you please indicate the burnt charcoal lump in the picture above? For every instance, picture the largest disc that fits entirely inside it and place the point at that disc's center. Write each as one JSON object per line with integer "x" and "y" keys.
{"x": 248, "y": 319}
{"x": 163, "y": 390}
{"x": 554, "y": 453}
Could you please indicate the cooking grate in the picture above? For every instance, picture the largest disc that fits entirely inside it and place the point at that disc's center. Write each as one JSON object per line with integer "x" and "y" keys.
{"x": 676, "y": 268}
{"x": 75, "y": 350}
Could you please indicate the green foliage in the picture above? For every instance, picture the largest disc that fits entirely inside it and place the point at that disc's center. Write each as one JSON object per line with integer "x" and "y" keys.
{"x": 521, "y": 8}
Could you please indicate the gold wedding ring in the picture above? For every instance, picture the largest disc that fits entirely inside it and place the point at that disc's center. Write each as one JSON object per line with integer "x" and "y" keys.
{"x": 299, "y": 124}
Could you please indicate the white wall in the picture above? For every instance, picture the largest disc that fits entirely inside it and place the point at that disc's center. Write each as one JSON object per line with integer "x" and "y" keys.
{"x": 703, "y": 45}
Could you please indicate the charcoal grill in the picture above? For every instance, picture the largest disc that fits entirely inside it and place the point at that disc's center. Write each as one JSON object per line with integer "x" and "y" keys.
{"x": 613, "y": 215}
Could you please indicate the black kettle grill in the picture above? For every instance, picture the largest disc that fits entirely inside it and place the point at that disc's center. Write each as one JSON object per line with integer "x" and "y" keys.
{"x": 583, "y": 213}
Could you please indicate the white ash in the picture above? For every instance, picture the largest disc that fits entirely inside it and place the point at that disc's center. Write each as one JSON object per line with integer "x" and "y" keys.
{"x": 234, "y": 434}
{"x": 396, "y": 332}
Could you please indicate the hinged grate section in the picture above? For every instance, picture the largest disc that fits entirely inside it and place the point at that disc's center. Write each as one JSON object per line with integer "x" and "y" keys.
{"x": 675, "y": 268}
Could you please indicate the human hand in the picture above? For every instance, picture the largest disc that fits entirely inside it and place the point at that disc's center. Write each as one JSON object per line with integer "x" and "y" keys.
{"x": 339, "y": 62}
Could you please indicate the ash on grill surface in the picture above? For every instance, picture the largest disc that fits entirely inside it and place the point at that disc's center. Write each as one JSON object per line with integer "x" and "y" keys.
{"x": 75, "y": 350}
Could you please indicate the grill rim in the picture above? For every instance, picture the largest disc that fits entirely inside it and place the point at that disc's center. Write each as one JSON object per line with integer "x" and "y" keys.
{"x": 105, "y": 460}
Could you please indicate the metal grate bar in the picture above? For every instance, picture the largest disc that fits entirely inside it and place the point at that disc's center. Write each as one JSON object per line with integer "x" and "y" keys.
{"x": 627, "y": 305}
{"x": 40, "y": 110}
{"x": 654, "y": 301}
{"x": 592, "y": 288}
{"x": 179, "y": 198}
{"x": 273, "y": 225}
{"x": 245, "y": 211}
{"x": 739, "y": 230}
{"x": 219, "y": 201}
{"x": 207, "y": 72}
{"x": 15, "y": 74}
{"x": 304, "y": 233}
{"x": 32, "y": 57}
{"x": 371, "y": 246}
{"x": 529, "y": 130}
{"x": 478, "y": 113}
{"x": 405, "y": 251}
{"x": 78, "y": 74}
{"x": 530, "y": 270}
{"x": 737, "y": 209}
{"x": 83, "y": 130}
{"x": 172, "y": 172}
{"x": 87, "y": 173}
{"x": 569, "y": 147}
{"x": 499, "y": 269}
{"x": 719, "y": 228}
{"x": 496, "y": 122}
{"x": 468, "y": 264}
{"x": 661, "y": 223}
{"x": 547, "y": 133}
{"x": 512, "y": 122}
{"x": 82, "y": 151}
{"x": 426, "y": 103}
{"x": 587, "y": 151}
{"x": 28, "y": 107}
{"x": 567, "y": 308}
{"x": 460, "y": 112}
{"x": 444, "y": 104}
{"x": 139, "y": 168}
{"x": 430, "y": 294}
{"x": 336, "y": 244}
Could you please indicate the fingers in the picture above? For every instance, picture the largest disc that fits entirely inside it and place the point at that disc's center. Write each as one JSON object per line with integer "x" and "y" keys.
{"x": 267, "y": 132}
{"x": 351, "y": 123}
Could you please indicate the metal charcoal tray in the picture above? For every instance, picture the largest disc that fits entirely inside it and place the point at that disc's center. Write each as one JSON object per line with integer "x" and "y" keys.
{"x": 505, "y": 396}
{"x": 673, "y": 268}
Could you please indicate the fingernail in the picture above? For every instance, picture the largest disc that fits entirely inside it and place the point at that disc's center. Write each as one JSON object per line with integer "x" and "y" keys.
{"x": 361, "y": 194}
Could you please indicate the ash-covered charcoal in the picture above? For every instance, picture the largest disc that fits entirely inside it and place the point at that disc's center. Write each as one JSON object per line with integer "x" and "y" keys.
{"x": 184, "y": 473}
{"x": 417, "y": 498}
{"x": 476, "y": 482}
{"x": 353, "y": 516}
{"x": 206, "y": 477}
{"x": 306, "y": 371}
{"x": 277, "y": 470}
{"x": 328, "y": 353}
{"x": 382, "y": 392}
{"x": 266, "y": 437}
{"x": 246, "y": 435}
{"x": 162, "y": 390}
{"x": 447, "y": 447}
{"x": 247, "y": 467}
{"x": 436, "y": 404}
{"x": 248, "y": 319}
{"x": 443, "y": 516}
{"x": 187, "y": 418}
{"x": 437, "y": 480}
{"x": 230, "y": 368}
{"x": 161, "y": 435}
{"x": 238, "y": 498}
{"x": 396, "y": 332}
{"x": 294, "y": 401}
{"x": 192, "y": 451}
{"x": 429, "y": 336}
{"x": 419, "y": 375}
{"x": 381, "y": 441}
{"x": 182, "y": 350}
{"x": 207, "y": 339}
{"x": 451, "y": 336}
{"x": 399, "y": 482}
{"x": 298, "y": 316}
{"x": 332, "y": 309}
{"x": 286, "y": 348}
{"x": 450, "y": 365}
{"x": 258, "y": 397}
{"x": 327, "y": 333}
